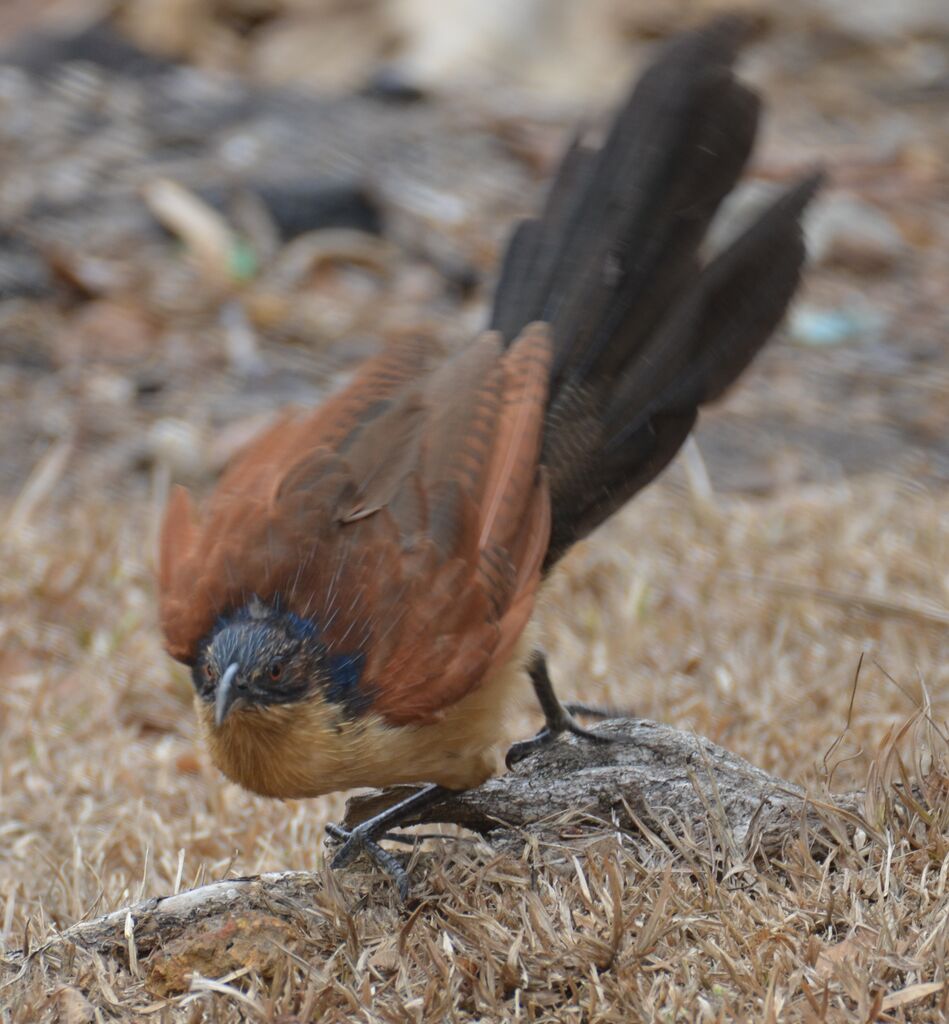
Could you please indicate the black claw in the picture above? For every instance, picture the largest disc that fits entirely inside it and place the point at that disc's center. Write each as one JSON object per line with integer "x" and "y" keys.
{"x": 524, "y": 748}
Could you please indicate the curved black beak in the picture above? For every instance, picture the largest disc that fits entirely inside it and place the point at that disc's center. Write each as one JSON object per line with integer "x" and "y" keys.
{"x": 227, "y": 694}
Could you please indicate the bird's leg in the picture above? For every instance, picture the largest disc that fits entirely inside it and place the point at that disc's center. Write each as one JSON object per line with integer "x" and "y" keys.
{"x": 363, "y": 838}
{"x": 558, "y": 718}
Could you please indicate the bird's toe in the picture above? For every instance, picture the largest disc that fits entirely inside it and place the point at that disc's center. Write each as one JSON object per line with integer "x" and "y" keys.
{"x": 524, "y": 748}
{"x": 361, "y": 840}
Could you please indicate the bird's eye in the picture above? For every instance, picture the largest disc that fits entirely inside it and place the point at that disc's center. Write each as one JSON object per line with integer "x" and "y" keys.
{"x": 276, "y": 669}
{"x": 209, "y": 673}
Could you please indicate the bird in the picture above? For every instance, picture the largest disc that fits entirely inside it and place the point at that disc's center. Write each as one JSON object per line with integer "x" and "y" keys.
{"x": 355, "y": 597}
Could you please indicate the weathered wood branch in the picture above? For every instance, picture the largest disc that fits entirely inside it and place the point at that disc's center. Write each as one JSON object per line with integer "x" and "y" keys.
{"x": 656, "y": 784}
{"x": 651, "y": 776}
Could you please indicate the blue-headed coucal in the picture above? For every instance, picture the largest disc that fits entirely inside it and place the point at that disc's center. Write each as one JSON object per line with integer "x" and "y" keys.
{"x": 355, "y": 597}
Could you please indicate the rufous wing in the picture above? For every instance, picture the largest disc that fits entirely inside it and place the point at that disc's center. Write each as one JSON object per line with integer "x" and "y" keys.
{"x": 407, "y": 518}
{"x": 212, "y": 566}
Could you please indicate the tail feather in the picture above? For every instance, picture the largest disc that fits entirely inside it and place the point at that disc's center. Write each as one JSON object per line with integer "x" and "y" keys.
{"x": 643, "y": 334}
{"x": 708, "y": 340}
{"x": 622, "y": 224}
{"x": 529, "y": 258}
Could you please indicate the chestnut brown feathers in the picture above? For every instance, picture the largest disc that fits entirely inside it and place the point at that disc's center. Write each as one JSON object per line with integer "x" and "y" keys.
{"x": 353, "y": 597}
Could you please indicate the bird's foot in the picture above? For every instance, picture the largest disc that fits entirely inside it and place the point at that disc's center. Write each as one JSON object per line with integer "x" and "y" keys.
{"x": 558, "y": 718}
{"x": 361, "y": 840}
{"x": 524, "y": 748}
{"x": 364, "y": 837}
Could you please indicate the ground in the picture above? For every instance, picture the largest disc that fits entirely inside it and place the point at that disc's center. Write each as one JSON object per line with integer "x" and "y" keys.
{"x": 783, "y": 591}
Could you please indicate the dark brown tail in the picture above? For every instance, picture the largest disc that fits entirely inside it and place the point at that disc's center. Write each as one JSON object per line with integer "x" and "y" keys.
{"x": 645, "y": 333}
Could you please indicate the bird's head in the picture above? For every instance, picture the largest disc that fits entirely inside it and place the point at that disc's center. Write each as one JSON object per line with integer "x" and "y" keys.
{"x": 262, "y": 655}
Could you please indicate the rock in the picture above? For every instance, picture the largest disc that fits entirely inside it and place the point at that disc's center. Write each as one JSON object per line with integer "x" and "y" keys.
{"x": 840, "y": 228}
{"x": 177, "y": 444}
{"x": 818, "y": 327}
{"x": 107, "y": 331}
{"x": 739, "y": 209}
{"x": 217, "y": 946}
{"x": 846, "y": 231}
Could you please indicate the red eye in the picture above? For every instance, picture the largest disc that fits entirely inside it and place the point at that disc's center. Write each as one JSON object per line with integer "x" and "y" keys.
{"x": 276, "y": 670}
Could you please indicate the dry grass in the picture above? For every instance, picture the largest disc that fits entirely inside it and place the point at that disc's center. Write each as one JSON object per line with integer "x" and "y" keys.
{"x": 742, "y": 619}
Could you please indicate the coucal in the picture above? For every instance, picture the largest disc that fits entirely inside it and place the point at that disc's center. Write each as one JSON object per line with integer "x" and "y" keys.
{"x": 355, "y": 597}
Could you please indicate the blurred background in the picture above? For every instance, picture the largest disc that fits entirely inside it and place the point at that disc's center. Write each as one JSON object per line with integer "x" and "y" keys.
{"x": 210, "y": 208}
